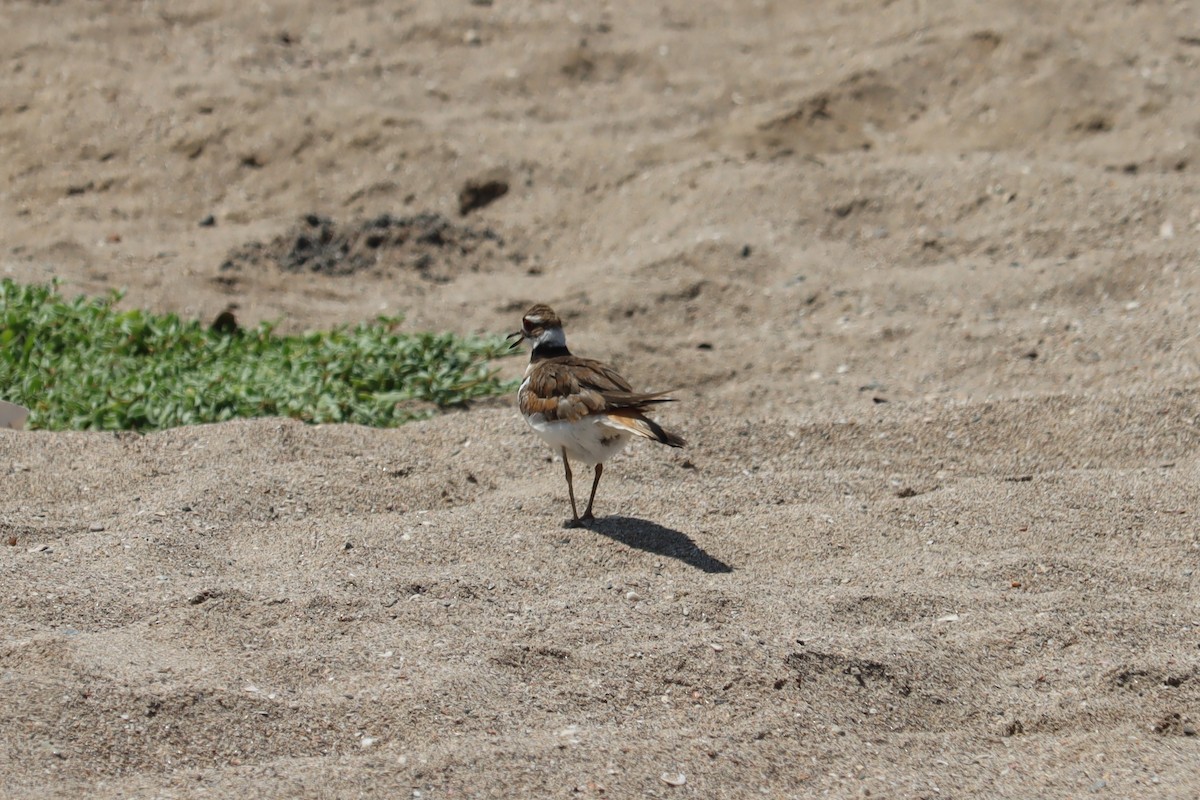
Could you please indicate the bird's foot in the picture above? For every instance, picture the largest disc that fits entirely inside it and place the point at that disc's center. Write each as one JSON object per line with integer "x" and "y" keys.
{"x": 574, "y": 523}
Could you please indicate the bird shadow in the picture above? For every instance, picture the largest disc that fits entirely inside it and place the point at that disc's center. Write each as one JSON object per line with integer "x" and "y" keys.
{"x": 654, "y": 538}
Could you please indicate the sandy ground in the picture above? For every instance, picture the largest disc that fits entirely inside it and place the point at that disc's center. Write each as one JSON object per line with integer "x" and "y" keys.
{"x": 925, "y": 275}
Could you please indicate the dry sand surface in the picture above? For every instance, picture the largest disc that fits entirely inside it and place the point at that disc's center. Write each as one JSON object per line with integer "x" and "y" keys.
{"x": 924, "y": 273}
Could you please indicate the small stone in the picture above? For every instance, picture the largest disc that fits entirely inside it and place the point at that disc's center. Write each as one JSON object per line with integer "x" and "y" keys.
{"x": 209, "y": 221}
{"x": 201, "y": 597}
{"x": 96, "y": 527}
{"x": 483, "y": 190}
{"x": 673, "y": 778}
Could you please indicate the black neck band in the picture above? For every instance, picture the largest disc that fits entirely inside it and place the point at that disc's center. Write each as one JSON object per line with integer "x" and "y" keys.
{"x": 549, "y": 351}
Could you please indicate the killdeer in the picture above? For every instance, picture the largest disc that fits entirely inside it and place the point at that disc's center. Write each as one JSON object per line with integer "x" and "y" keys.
{"x": 582, "y": 408}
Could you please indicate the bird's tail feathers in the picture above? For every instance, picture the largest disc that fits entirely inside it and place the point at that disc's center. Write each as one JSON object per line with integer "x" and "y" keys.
{"x": 643, "y": 426}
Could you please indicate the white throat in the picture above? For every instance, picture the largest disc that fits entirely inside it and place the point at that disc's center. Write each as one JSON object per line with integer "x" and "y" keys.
{"x": 551, "y": 337}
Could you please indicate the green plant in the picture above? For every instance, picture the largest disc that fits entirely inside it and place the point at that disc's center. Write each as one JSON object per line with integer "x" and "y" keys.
{"x": 84, "y": 364}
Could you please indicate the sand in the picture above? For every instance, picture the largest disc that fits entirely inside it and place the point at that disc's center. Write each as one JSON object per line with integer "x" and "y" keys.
{"x": 924, "y": 276}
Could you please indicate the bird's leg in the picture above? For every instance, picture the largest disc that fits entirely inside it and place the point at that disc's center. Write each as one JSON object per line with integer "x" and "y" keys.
{"x": 595, "y": 482}
{"x": 574, "y": 522}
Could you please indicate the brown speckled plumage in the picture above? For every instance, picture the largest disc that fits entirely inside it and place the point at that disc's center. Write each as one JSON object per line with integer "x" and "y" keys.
{"x": 570, "y": 388}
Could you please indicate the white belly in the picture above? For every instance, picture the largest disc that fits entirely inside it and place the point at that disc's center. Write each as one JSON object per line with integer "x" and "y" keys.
{"x": 589, "y": 440}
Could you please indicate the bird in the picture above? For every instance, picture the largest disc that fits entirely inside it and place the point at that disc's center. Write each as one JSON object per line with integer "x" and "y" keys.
{"x": 581, "y": 407}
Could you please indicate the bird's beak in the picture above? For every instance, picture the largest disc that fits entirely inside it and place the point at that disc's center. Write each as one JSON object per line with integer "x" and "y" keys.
{"x": 516, "y": 337}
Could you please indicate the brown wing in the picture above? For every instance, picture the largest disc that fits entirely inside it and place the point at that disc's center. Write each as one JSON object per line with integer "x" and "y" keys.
{"x": 570, "y": 388}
